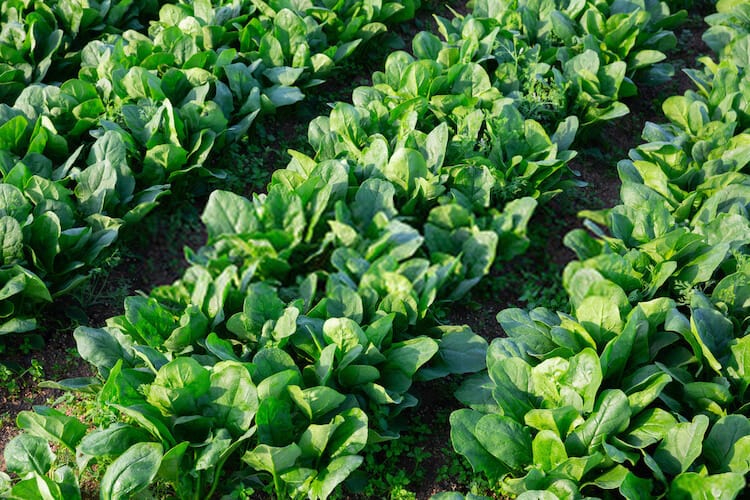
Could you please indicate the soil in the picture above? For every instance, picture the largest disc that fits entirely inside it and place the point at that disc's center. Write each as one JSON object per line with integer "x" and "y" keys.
{"x": 153, "y": 256}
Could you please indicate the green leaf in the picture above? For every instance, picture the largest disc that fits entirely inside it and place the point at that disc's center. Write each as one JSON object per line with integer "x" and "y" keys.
{"x": 272, "y": 459}
{"x": 52, "y": 425}
{"x": 404, "y": 167}
{"x": 548, "y": 450}
{"x": 170, "y": 467}
{"x": 178, "y": 386}
{"x": 727, "y": 446}
{"x": 150, "y": 419}
{"x": 344, "y": 333}
{"x": 37, "y": 486}
{"x": 403, "y": 361}
{"x": 274, "y": 421}
{"x": 112, "y": 441}
{"x": 617, "y": 352}
{"x": 332, "y": 475}
{"x": 13, "y": 203}
{"x": 234, "y": 397}
{"x": 228, "y": 213}
{"x": 131, "y": 472}
{"x": 351, "y": 435}
{"x": 649, "y": 427}
{"x": 600, "y": 316}
{"x": 514, "y": 391}
{"x": 373, "y": 196}
{"x": 281, "y": 95}
{"x": 611, "y": 416}
{"x": 463, "y": 436}
{"x": 316, "y": 401}
{"x": 584, "y": 375}
{"x": 694, "y": 486}
{"x": 462, "y": 351}
{"x": 11, "y": 240}
{"x": 646, "y": 391}
{"x": 506, "y": 439}
{"x": 558, "y": 420}
{"x": 26, "y": 453}
{"x": 315, "y": 438}
{"x": 681, "y": 446}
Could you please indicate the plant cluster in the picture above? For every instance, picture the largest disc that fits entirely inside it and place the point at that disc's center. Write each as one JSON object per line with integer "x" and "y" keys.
{"x": 294, "y": 337}
{"x": 145, "y": 106}
{"x": 641, "y": 389}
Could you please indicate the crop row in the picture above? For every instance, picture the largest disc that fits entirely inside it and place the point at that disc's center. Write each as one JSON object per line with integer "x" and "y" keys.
{"x": 641, "y": 387}
{"x": 83, "y": 157}
{"x": 293, "y": 338}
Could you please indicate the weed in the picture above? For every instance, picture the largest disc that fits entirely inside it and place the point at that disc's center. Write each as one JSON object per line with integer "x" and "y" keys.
{"x": 8, "y": 380}
{"x": 12, "y": 379}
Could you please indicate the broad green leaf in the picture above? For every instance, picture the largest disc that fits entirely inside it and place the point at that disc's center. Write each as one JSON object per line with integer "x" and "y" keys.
{"x": 344, "y": 333}
{"x": 601, "y": 317}
{"x": 694, "y": 486}
{"x": 275, "y": 385}
{"x": 52, "y": 425}
{"x": 150, "y": 419}
{"x": 170, "y": 467}
{"x": 11, "y": 240}
{"x": 210, "y": 456}
{"x": 228, "y": 213}
{"x": 584, "y": 375}
{"x": 464, "y": 439}
{"x": 112, "y": 441}
{"x": 649, "y": 427}
{"x": 548, "y": 450}
{"x": 332, "y": 475}
{"x": 272, "y": 459}
{"x": 506, "y": 439}
{"x": 558, "y": 420}
{"x": 611, "y": 416}
{"x": 178, "y": 386}
{"x": 274, "y": 421}
{"x": 316, "y": 401}
{"x": 234, "y": 397}
{"x": 132, "y": 471}
{"x": 645, "y": 392}
{"x": 681, "y": 446}
{"x": 314, "y": 440}
{"x": 374, "y": 195}
{"x": 351, "y": 436}
{"x": 37, "y": 486}
{"x": 26, "y": 453}
{"x": 403, "y": 361}
{"x": 514, "y": 389}
{"x": 462, "y": 351}
{"x": 727, "y": 445}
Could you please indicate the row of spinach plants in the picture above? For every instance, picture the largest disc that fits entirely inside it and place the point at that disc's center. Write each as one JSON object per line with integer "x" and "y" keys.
{"x": 40, "y": 41}
{"x": 293, "y": 338}
{"x": 640, "y": 388}
{"x": 85, "y": 157}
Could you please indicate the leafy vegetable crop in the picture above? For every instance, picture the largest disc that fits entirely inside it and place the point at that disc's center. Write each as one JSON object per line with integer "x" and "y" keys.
{"x": 41, "y": 39}
{"x": 293, "y": 338}
{"x": 558, "y": 58}
{"x": 86, "y": 157}
{"x": 640, "y": 388}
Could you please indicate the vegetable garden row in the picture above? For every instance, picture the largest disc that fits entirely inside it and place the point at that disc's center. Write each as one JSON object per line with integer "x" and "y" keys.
{"x": 83, "y": 157}
{"x": 293, "y": 338}
{"x": 641, "y": 387}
